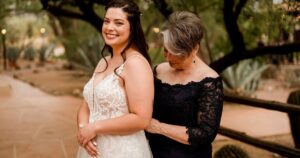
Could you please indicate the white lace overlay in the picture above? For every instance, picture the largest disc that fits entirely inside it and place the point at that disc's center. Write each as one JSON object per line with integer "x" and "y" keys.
{"x": 110, "y": 101}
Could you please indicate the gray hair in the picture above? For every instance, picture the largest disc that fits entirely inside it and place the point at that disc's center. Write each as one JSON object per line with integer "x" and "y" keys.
{"x": 183, "y": 33}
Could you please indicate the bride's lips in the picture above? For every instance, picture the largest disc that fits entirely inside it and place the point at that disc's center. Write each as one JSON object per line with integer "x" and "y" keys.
{"x": 110, "y": 35}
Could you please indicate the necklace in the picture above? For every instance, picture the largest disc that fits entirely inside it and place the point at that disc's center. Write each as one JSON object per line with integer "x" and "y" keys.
{"x": 93, "y": 84}
{"x": 93, "y": 92}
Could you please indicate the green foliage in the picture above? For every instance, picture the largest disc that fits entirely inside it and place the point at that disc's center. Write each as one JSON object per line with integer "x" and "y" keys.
{"x": 29, "y": 5}
{"x": 231, "y": 151}
{"x": 29, "y": 53}
{"x": 83, "y": 44}
{"x": 210, "y": 13}
{"x": 195, "y": 6}
{"x": 244, "y": 76}
{"x": 100, "y": 10}
{"x": 262, "y": 21}
{"x": 9, "y": 8}
{"x": 156, "y": 55}
{"x": 42, "y": 53}
{"x": 12, "y": 53}
{"x": 221, "y": 47}
{"x": 26, "y": 27}
{"x": 259, "y": 21}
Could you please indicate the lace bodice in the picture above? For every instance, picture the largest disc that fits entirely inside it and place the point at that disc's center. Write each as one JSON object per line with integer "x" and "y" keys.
{"x": 197, "y": 106}
{"x": 108, "y": 99}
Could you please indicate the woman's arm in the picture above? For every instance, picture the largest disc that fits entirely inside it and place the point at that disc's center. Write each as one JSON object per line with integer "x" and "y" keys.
{"x": 175, "y": 132}
{"x": 139, "y": 88}
{"x": 210, "y": 105}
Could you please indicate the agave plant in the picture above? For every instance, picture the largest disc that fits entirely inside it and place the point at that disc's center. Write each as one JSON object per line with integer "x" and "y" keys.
{"x": 87, "y": 65}
{"x": 243, "y": 77}
{"x": 89, "y": 55}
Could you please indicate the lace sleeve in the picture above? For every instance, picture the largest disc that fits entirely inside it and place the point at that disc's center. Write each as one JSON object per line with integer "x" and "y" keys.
{"x": 210, "y": 105}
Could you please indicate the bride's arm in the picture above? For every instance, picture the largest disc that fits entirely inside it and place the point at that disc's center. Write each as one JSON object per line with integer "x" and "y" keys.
{"x": 82, "y": 120}
{"x": 83, "y": 114}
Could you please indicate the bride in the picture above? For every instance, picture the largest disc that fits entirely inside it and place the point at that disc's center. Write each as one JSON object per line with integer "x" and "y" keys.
{"x": 118, "y": 98}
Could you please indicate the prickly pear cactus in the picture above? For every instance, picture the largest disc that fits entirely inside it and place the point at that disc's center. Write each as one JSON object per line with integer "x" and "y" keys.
{"x": 294, "y": 98}
{"x": 231, "y": 151}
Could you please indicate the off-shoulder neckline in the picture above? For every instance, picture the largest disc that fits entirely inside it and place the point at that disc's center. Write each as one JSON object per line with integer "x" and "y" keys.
{"x": 205, "y": 79}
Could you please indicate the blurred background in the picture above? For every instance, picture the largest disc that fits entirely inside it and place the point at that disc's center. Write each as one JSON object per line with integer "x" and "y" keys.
{"x": 49, "y": 48}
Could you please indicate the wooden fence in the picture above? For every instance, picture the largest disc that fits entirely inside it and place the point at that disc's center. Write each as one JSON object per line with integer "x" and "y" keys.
{"x": 271, "y": 105}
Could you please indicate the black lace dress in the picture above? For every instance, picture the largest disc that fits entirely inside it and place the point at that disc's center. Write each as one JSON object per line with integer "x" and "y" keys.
{"x": 198, "y": 107}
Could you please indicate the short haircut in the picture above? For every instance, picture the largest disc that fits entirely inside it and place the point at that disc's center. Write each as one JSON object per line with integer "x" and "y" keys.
{"x": 183, "y": 33}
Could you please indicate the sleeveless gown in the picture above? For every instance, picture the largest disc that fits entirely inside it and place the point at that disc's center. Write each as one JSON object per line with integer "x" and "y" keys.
{"x": 109, "y": 101}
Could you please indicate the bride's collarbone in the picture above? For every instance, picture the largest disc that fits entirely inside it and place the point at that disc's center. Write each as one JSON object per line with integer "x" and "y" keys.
{"x": 107, "y": 69}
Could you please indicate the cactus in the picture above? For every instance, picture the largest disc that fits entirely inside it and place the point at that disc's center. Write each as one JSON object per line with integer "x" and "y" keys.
{"x": 42, "y": 53}
{"x": 243, "y": 77}
{"x": 29, "y": 53}
{"x": 231, "y": 151}
{"x": 294, "y": 98}
{"x": 12, "y": 53}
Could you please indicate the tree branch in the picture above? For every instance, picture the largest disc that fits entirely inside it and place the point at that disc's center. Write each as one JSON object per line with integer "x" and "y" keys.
{"x": 233, "y": 57}
{"x": 101, "y": 2}
{"x": 163, "y": 7}
{"x": 239, "y": 8}
{"x": 65, "y": 13}
{"x": 232, "y": 28}
{"x": 89, "y": 13}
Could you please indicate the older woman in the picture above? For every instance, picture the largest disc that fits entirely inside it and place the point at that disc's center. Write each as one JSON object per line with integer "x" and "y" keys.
{"x": 188, "y": 94}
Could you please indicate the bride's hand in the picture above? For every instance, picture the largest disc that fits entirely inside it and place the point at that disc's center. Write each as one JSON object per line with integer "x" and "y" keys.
{"x": 86, "y": 134}
{"x": 91, "y": 148}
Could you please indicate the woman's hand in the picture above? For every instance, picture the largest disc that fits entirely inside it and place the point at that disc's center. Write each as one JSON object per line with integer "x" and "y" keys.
{"x": 86, "y": 134}
{"x": 154, "y": 127}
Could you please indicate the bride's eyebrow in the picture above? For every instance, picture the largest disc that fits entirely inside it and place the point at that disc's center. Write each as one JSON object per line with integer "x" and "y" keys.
{"x": 119, "y": 20}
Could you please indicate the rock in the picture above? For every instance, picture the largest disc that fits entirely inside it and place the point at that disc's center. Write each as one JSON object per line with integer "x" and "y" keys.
{"x": 76, "y": 92}
{"x": 35, "y": 71}
{"x": 28, "y": 66}
{"x": 79, "y": 74}
{"x": 15, "y": 76}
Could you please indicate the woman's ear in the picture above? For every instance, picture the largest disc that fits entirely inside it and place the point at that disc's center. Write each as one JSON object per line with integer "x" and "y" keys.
{"x": 196, "y": 50}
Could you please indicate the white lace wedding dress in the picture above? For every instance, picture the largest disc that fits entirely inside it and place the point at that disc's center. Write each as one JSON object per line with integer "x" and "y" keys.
{"x": 109, "y": 101}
